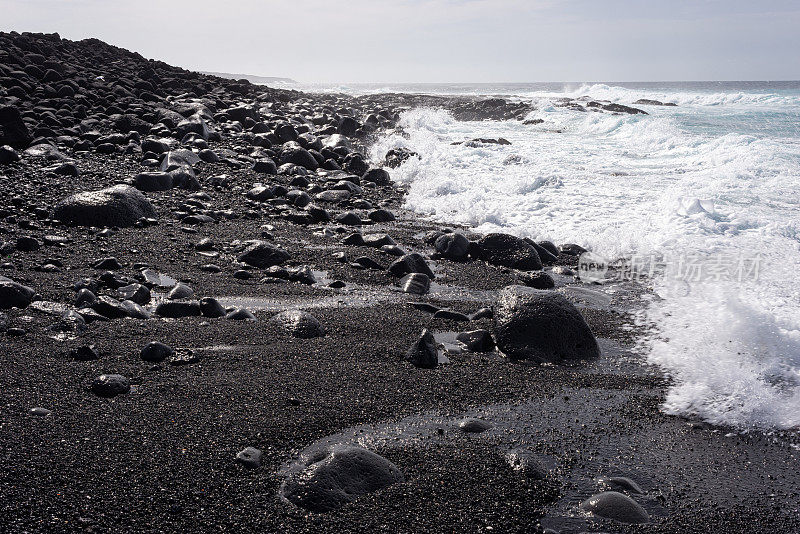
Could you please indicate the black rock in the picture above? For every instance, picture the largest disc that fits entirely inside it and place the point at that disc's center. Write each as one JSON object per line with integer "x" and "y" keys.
{"x": 472, "y": 425}
{"x": 550, "y": 247}
{"x": 348, "y": 126}
{"x": 349, "y": 218}
{"x": 449, "y": 315}
{"x": 177, "y": 308}
{"x": 324, "y": 480}
{"x": 297, "y": 155}
{"x": 8, "y": 155}
{"x": 365, "y": 262}
{"x": 262, "y": 255}
{"x": 107, "y": 264}
{"x": 476, "y": 340}
{"x": 509, "y": 251}
{"x": 110, "y": 385}
{"x": 377, "y": 176}
{"x": 121, "y": 205}
{"x": 526, "y": 463}
{"x": 27, "y": 244}
{"x": 153, "y": 181}
{"x": 410, "y": 263}
{"x": 13, "y": 131}
{"x": 415, "y": 283}
{"x": 156, "y": 352}
{"x": 14, "y": 295}
{"x": 299, "y": 324}
{"x": 109, "y": 307}
{"x": 210, "y": 307}
{"x": 397, "y": 156}
{"x": 542, "y": 326}
{"x": 249, "y": 458}
{"x": 423, "y": 352}
{"x": 537, "y": 280}
{"x": 424, "y": 306}
{"x": 180, "y": 291}
{"x": 265, "y": 166}
{"x": 84, "y": 353}
{"x": 381, "y": 216}
{"x": 571, "y": 249}
{"x": 240, "y": 314}
{"x": 620, "y": 484}
{"x": 84, "y": 298}
{"x": 616, "y": 506}
{"x": 452, "y": 246}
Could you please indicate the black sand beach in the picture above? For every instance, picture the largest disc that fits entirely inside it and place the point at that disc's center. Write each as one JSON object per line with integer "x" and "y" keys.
{"x": 161, "y": 457}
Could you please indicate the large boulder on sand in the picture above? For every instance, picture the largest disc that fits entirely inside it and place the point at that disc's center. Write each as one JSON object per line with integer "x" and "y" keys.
{"x": 263, "y": 255}
{"x": 509, "y": 251}
{"x": 121, "y": 205}
{"x": 14, "y": 295}
{"x": 325, "y": 480}
{"x": 616, "y": 506}
{"x": 13, "y": 131}
{"x": 542, "y": 326}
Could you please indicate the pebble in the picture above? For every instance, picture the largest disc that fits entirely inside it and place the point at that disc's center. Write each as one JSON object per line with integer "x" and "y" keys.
{"x": 110, "y": 385}
{"x": 473, "y": 425}
{"x": 249, "y": 458}
{"x": 84, "y": 353}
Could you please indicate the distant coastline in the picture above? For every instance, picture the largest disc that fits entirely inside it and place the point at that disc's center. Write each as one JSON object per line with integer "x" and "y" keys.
{"x": 249, "y": 77}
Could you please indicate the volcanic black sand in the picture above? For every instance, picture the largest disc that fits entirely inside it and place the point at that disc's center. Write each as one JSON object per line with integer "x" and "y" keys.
{"x": 161, "y": 458}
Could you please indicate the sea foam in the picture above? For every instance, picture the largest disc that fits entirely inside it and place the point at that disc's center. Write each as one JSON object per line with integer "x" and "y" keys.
{"x": 692, "y": 183}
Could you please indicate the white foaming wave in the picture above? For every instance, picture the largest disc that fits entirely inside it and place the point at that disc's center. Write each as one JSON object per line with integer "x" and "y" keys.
{"x": 640, "y": 184}
{"x": 624, "y": 95}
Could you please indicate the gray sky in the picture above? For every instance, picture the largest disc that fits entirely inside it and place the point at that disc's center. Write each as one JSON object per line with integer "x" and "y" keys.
{"x": 441, "y": 40}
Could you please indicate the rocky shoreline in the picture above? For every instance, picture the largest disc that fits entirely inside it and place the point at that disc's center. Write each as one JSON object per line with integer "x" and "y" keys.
{"x": 215, "y": 314}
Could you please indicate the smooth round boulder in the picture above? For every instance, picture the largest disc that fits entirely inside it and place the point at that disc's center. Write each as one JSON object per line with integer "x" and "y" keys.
{"x": 452, "y": 246}
{"x": 526, "y": 463}
{"x": 210, "y": 307}
{"x": 616, "y": 506}
{"x": 472, "y": 425}
{"x": 156, "y": 352}
{"x": 377, "y": 176}
{"x": 14, "y": 295}
{"x": 240, "y": 314}
{"x": 509, "y": 251}
{"x": 299, "y": 324}
{"x": 541, "y": 326}
{"x": 180, "y": 291}
{"x": 263, "y": 255}
{"x": 110, "y": 385}
{"x": 121, "y": 205}
{"x": 329, "y": 479}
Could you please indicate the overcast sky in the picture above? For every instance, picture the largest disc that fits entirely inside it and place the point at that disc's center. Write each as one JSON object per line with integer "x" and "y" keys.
{"x": 441, "y": 40}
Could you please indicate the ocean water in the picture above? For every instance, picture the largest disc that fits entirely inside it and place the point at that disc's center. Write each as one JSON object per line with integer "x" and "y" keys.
{"x": 704, "y": 197}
